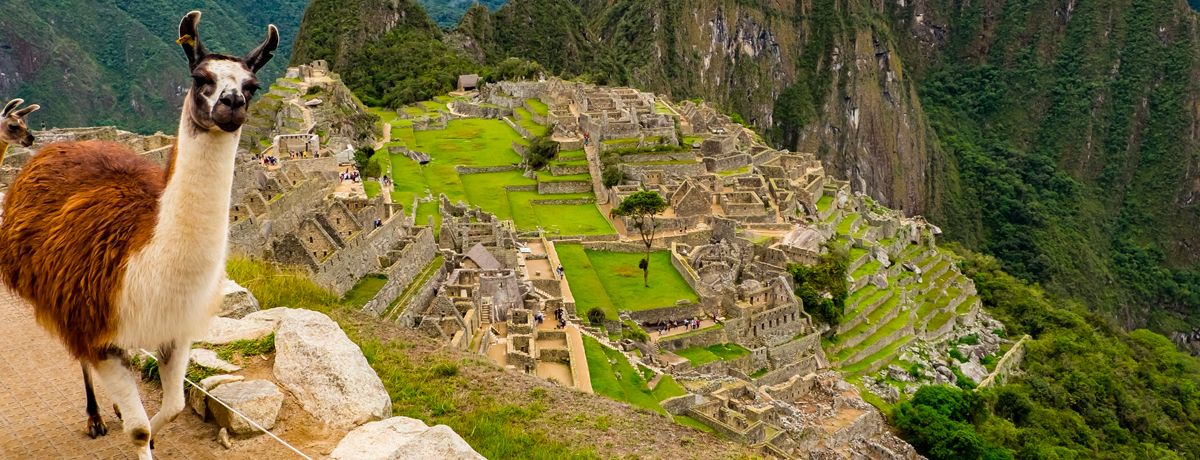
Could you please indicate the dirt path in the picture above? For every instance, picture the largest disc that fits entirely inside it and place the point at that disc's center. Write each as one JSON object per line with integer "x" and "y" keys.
{"x": 42, "y": 407}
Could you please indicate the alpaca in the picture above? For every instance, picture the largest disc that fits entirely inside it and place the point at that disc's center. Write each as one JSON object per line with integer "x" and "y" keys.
{"x": 116, "y": 253}
{"x": 12, "y": 126}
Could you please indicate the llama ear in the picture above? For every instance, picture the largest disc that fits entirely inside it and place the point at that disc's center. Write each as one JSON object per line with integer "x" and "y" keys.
{"x": 10, "y": 106}
{"x": 259, "y": 57}
{"x": 27, "y": 110}
{"x": 189, "y": 39}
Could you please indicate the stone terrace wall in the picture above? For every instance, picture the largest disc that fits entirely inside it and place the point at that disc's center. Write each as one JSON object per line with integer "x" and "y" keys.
{"x": 700, "y": 338}
{"x": 359, "y": 257}
{"x": 411, "y": 262}
{"x": 562, "y": 187}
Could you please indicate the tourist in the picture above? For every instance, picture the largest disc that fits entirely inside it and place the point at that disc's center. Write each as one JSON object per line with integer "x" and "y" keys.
{"x": 539, "y": 318}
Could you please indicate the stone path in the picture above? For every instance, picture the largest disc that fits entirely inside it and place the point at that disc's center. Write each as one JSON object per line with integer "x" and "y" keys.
{"x": 42, "y": 404}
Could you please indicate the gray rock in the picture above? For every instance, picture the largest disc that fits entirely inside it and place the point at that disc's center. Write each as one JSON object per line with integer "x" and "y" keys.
{"x": 327, "y": 372}
{"x": 238, "y": 301}
{"x": 259, "y": 400}
{"x": 225, "y": 330}
{"x": 897, "y": 373}
{"x": 199, "y": 401}
{"x": 974, "y": 371}
{"x": 403, "y": 438}
{"x": 208, "y": 358}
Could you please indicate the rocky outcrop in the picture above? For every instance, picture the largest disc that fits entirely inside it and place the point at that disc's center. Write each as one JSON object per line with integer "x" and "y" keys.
{"x": 403, "y": 438}
{"x": 259, "y": 400}
{"x": 326, "y": 371}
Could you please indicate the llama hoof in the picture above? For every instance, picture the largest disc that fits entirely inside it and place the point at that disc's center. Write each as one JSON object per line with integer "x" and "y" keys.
{"x": 117, "y": 410}
{"x": 96, "y": 427}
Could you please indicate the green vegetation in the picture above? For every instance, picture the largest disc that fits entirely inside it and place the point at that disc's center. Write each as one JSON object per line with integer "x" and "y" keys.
{"x": 1143, "y": 402}
{"x": 828, "y": 276}
{"x": 700, "y": 356}
{"x": 364, "y": 290}
{"x": 1088, "y": 206}
{"x": 620, "y": 381}
{"x": 608, "y": 280}
{"x": 538, "y": 106}
{"x": 482, "y": 143}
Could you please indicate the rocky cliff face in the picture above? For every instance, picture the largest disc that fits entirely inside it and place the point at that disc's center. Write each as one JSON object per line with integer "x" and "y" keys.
{"x": 333, "y": 29}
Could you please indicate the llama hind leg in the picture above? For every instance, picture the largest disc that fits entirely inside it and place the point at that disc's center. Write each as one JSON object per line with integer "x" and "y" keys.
{"x": 95, "y": 423}
{"x": 172, "y": 367}
{"x": 118, "y": 380}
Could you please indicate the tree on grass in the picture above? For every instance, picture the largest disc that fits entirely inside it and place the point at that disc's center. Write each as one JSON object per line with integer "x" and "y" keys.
{"x": 641, "y": 207}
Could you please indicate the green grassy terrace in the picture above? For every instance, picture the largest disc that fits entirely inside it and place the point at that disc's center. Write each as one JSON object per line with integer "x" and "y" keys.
{"x": 612, "y": 281}
{"x": 700, "y": 356}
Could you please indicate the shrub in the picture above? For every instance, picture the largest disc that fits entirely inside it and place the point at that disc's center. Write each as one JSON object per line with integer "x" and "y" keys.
{"x": 313, "y": 91}
{"x": 596, "y": 316}
{"x": 613, "y": 176}
{"x": 445, "y": 369}
{"x": 541, "y": 151}
{"x": 957, "y": 355}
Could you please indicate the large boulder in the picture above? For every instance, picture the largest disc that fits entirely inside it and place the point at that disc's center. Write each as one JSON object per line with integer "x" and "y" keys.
{"x": 327, "y": 372}
{"x": 259, "y": 400}
{"x": 403, "y": 438}
{"x": 238, "y": 301}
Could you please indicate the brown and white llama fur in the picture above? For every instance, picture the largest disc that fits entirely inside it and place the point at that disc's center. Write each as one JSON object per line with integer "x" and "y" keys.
{"x": 13, "y": 129}
{"x": 116, "y": 253}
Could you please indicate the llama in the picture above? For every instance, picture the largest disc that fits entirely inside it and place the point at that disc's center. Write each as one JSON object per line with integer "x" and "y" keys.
{"x": 12, "y": 126}
{"x": 116, "y": 253}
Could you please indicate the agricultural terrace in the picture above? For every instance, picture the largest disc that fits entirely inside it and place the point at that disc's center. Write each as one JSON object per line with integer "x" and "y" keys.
{"x": 612, "y": 281}
{"x": 614, "y": 377}
{"x": 478, "y": 142}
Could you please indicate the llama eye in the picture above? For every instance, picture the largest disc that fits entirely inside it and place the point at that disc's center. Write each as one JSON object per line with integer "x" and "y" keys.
{"x": 201, "y": 80}
{"x": 251, "y": 88}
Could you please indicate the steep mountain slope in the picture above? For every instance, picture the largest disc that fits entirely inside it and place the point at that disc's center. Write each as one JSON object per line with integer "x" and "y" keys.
{"x": 93, "y": 62}
{"x": 1073, "y": 127}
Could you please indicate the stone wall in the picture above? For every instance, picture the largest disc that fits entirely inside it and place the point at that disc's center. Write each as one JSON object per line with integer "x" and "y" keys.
{"x": 638, "y": 171}
{"x": 411, "y": 261}
{"x": 418, "y": 302}
{"x": 480, "y": 111}
{"x": 1007, "y": 365}
{"x": 485, "y": 169}
{"x": 700, "y": 338}
{"x": 360, "y": 256}
{"x": 726, "y": 163}
{"x": 561, "y": 187}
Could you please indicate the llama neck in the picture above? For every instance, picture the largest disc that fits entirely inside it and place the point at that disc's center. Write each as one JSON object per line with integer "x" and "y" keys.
{"x": 193, "y": 216}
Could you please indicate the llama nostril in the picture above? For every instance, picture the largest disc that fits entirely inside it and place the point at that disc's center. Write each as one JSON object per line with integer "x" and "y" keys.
{"x": 232, "y": 100}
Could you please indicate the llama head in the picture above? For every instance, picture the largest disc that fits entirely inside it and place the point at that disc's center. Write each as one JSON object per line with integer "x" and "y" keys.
{"x": 12, "y": 123}
{"x": 222, "y": 85}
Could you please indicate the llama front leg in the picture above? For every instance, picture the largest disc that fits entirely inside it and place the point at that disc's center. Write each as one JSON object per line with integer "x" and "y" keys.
{"x": 95, "y": 423}
{"x": 172, "y": 366}
{"x": 118, "y": 380}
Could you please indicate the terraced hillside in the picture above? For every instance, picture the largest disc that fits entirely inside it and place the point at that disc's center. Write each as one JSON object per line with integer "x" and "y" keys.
{"x": 900, "y": 293}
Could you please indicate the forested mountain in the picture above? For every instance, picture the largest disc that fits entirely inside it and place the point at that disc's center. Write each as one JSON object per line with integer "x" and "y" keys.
{"x": 115, "y": 62}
